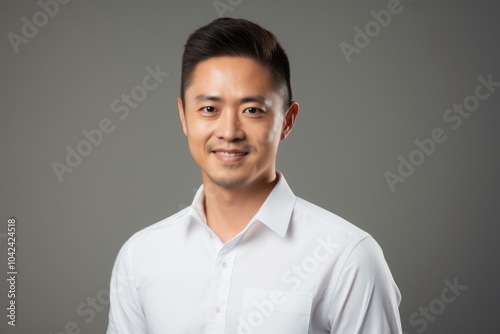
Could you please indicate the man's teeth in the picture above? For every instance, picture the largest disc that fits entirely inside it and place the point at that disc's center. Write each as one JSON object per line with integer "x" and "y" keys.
{"x": 230, "y": 154}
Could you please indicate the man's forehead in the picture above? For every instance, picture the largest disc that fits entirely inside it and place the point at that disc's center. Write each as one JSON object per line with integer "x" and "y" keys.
{"x": 235, "y": 78}
{"x": 243, "y": 68}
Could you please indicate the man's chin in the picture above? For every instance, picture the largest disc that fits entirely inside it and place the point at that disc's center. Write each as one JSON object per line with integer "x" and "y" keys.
{"x": 229, "y": 182}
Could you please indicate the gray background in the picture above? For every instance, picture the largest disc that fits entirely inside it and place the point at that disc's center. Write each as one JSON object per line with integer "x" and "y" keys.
{"x": 356, "y": 119}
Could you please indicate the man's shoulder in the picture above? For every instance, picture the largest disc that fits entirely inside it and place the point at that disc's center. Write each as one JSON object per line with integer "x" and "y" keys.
{"x": 316, "y": 216}
{"x": 159, "y": 229}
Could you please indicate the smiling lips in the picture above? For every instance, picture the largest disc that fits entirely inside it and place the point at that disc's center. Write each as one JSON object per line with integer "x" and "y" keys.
{"x": 229, "y": 155}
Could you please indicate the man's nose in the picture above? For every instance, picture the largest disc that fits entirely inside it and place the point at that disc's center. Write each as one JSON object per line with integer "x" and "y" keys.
{"x": 229, "y": 126}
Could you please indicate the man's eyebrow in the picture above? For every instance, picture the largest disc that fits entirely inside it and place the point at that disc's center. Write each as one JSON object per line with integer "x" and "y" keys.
{"x": 206, "y": 97}
{"x": 257, "y": 98}
{"x": 252, "y": 98}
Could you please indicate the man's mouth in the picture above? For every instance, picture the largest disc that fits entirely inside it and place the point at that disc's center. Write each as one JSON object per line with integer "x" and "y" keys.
{"x": 230, "y": 154}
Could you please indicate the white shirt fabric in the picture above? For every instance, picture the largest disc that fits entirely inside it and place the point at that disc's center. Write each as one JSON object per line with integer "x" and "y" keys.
{"x": 295, "y": 268}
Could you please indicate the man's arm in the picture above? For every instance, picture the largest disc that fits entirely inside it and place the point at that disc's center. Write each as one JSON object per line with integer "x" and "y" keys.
{"x": 366, "y": 298}
{"x": 125, "y": 315}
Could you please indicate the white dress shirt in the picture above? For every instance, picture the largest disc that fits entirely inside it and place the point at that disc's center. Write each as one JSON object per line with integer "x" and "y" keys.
{"x": 295, "y": 268}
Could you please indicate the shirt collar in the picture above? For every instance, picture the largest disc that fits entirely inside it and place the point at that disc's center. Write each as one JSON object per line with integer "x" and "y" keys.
{"x": 275, "y": 212}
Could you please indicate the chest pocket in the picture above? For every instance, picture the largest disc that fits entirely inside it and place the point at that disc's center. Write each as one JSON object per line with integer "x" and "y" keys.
{"x": 274, "y": 312}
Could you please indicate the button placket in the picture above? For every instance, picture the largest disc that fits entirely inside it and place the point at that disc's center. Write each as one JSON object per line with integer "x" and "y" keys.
{"x": 221, "y": 284}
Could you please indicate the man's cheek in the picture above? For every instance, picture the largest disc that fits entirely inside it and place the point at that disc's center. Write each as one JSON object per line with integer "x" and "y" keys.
{"x": 275, "y": 135}
{"x": 269, "y": 135}
{"x": 263, "y": 139}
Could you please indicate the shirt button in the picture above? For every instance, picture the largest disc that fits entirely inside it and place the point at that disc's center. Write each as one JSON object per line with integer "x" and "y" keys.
{"x": 217, "y": 309}
{"x": 224, "y": 265}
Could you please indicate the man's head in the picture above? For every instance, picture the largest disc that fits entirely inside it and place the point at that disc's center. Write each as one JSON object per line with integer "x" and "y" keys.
{"x": 234, "y": 108}
{"x": 237, "y": 37}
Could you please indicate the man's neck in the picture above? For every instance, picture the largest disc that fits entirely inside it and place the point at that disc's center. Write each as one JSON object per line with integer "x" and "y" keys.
{"x": 228, "y": 211}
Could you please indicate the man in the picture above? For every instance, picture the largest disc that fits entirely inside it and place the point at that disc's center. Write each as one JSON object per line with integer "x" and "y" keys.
{"x": 247, "y": 256}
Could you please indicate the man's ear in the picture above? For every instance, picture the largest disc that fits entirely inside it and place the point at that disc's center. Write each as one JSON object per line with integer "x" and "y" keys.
{"x": 182, "y": 115}
{"x": 289, "y": 119}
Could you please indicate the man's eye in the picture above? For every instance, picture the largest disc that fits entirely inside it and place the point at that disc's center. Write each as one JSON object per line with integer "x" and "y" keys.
{"x": 252, "y": 110}
{"x": 208, "y": 109}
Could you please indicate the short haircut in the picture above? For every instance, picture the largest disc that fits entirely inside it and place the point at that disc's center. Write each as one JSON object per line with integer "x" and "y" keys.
{"x": 238, "y": 38}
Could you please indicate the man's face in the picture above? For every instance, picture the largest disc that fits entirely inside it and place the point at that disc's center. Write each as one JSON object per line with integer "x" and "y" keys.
{"x": 233, "y": 119}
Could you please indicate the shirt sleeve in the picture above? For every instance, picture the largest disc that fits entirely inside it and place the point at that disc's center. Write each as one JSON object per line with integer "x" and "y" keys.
{"x": 126, "y": 315}
{"x": 366, "y": 298}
